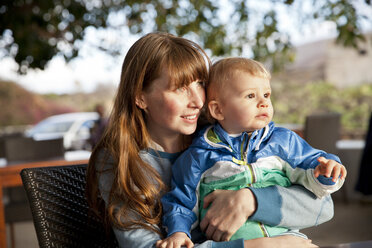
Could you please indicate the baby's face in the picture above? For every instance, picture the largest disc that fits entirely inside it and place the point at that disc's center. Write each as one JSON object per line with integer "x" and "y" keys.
{"x": 246, "y": 104}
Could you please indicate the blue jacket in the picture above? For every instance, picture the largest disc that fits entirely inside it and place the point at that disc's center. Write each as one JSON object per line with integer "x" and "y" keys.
{"x": 271, "y": 156}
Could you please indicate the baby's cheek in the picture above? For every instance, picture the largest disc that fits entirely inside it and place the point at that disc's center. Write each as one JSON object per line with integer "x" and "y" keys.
{"x": 244, "y": 117}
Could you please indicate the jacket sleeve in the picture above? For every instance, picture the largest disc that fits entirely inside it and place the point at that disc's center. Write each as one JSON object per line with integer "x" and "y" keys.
{"x": 293, "y": 207}
{"x": 179, "y": 202}
{"x": 300, "y": 162}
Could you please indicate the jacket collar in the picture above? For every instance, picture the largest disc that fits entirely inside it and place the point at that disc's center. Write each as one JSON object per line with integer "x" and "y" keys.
{"x": 222, "y": 138}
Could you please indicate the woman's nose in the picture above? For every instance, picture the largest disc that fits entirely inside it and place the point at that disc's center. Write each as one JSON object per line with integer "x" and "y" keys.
{"x": 197, "y": 97}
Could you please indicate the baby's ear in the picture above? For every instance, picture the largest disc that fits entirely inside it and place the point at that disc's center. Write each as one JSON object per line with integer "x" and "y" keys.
{"x": 215, "y": 110}
{"x": 141, "y": 102}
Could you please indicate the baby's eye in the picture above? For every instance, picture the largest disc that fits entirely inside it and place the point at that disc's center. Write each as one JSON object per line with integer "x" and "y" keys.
{"x": 267, "y": 95}
{"x": 250, "y": 95}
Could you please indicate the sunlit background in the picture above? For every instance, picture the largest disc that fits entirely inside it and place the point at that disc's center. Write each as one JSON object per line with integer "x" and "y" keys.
{"x": 95, "y": 66}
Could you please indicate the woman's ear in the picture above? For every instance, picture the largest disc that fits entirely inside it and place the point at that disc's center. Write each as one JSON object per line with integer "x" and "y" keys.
{"x": 215, "y": 110}
{"x": 140, "y": 101}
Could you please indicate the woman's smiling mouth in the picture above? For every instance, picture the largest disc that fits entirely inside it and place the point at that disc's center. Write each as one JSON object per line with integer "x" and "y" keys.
{"x": 190, "y": 117}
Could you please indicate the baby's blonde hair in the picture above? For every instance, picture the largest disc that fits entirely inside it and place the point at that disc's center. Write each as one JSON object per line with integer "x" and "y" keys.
{"x": 223, "y": 71}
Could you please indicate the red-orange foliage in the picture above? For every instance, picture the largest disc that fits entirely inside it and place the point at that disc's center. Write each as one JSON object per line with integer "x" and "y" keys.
{"x": 21, "y": 107}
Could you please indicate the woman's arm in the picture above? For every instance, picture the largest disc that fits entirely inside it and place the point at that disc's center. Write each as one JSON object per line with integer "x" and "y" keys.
{"x": 279, "y": 241}
{"x": 229, "y": 210}
{"x": 293, "y": 207}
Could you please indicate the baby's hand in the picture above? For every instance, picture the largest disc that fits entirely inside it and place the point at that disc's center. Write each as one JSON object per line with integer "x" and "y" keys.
{"x": 328, "y": 168}
{"x": 176, "y": 240}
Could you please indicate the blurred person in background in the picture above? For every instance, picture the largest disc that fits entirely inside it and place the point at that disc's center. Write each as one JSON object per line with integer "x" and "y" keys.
{"x": 364, "y": 184}
{"x": 99, "y": 126}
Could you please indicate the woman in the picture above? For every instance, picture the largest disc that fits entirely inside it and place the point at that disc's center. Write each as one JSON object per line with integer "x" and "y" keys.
{"x": 159, "y": 100}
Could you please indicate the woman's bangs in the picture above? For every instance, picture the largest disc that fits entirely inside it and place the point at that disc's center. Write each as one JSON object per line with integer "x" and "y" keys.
{"x": 184, "y": 70}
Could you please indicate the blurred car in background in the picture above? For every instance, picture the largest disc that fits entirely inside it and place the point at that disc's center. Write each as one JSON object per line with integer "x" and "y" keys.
{"x": 74, "y": 128}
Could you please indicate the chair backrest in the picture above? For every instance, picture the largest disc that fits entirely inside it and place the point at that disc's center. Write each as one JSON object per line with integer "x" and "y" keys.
{"x": 322, "y": 131}
{"x": 27, "y": 149}
{"x": 60, "y": 210}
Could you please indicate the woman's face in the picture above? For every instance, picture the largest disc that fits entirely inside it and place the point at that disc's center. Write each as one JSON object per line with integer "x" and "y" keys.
{"x": 171, "y": 111}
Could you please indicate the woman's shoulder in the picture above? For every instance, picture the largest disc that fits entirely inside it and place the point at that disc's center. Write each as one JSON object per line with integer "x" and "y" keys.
{"x": 102, "y": 160}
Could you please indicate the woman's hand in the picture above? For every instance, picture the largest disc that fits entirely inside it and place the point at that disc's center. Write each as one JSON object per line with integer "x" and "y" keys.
{"x": 229, "y": 210}
{"x": 285, "y": 241}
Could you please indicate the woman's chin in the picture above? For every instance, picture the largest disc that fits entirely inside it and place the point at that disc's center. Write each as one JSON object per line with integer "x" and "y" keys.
{"x": 188, "y": 130}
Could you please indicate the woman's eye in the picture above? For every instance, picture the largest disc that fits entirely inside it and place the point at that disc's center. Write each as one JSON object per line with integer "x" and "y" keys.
{"x": 182, "y": 89}
{"x": 201, "y": 84}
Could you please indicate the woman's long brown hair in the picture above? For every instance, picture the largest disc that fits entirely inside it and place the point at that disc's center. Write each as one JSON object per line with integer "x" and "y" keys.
{"x": 137, "y": 186}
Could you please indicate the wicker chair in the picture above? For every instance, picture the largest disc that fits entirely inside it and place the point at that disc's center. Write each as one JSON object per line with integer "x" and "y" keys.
{"x": 59, "y": 208}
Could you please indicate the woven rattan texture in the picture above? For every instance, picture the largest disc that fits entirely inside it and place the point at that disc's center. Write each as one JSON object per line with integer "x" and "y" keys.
{"x": 60, "y": 210}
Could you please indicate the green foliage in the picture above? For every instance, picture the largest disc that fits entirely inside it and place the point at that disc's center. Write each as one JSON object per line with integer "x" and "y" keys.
{"x": 344, "y": 15}
{"x": 34, "y": 31}
{"x": 294, "y": 101}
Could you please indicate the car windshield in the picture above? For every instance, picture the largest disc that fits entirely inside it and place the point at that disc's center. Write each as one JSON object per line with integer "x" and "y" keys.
{"x": 51, "y": 127}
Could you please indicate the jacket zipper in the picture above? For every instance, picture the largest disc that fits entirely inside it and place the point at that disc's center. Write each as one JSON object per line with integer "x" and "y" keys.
{"x": 244, "y": 155}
